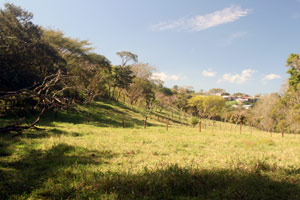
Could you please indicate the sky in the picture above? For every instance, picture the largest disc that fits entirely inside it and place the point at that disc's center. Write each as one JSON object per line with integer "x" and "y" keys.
{"x": 237, "y": 45}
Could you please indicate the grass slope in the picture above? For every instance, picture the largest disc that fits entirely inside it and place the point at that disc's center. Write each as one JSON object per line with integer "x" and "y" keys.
{"x": 76, "y": 159}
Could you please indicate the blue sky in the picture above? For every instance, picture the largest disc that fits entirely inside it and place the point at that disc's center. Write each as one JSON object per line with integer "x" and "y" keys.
{"x": 237, "y": 45}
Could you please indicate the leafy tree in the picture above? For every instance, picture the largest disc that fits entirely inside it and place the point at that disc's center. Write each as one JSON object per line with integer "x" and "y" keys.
{"x": 25, "y": 57}
{"x": 182, "y": 100}
{"x": 89, "y": 70}
{"x": 122, "y": 77}
{"x": 208, "y": 106}
{"x": 141, "y": 89}
{"x": 166, "y": 91}
{"x": 197, "y": 104}
{"x": 215, "y": 91}
{"x": 213, "y": 105}
{"x": 127, "y": 56}
{"x": 293, "y": 62}
{"x": 263, "y": 111}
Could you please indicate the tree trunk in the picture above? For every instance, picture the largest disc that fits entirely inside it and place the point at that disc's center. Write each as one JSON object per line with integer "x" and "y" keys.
{"x": 167, "y": 125}
{"x": 113, "y": 94}
{"x": 88, "y": 117}
{"x": 119, "y": 93}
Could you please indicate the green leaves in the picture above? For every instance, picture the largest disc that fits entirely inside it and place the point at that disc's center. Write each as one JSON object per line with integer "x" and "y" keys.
{"x": 25, "y": 57}
{"x": 207, "y": 105}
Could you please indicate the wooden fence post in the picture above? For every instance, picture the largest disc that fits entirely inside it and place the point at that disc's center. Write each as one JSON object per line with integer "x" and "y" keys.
{"x": 123, "y": 123}
{"x": 199, "y": 126}
{"x": 167, "y": 125}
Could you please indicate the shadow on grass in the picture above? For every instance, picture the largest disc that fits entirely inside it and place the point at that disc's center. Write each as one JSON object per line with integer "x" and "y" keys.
{"x": 37, "y": 166}
{"x": 45, "y": 133}
{"x": 162, "y": 118}
{"x": 174, "y": 182}
{"x": 101, "y": 114}
{"x": 179, "y": 183}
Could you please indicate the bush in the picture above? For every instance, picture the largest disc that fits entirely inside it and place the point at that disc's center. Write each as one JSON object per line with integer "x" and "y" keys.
{"x": 194, "y": 121}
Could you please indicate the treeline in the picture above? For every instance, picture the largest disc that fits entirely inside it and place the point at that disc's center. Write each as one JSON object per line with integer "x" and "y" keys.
{"x": 43, "y": 69}
{"x": 276, "y": 112}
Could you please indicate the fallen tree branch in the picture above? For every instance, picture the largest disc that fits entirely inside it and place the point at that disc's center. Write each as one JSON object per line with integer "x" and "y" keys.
{"x": 47, "y": 96}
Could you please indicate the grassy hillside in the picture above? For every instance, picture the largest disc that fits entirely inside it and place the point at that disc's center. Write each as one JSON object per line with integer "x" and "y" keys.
{"x": 72, "y": 158}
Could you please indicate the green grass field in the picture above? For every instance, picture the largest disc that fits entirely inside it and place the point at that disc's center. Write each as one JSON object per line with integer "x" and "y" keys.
{"x": 75, "y": 159}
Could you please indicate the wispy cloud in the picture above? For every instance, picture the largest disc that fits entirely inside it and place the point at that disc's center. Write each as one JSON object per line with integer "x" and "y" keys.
{"x": 296, "y": 15}
{"x": 236, "y": 36}
{"x": 271, "y": 77}
{"x": 208, "y": 73}
{"x": 202, "y": 22}
{"x": 238, "y": 78}
{"x": 165, "y": 77}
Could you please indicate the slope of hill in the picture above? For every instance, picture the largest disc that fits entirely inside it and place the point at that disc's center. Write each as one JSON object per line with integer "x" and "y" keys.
{"x": 72, "y": 158}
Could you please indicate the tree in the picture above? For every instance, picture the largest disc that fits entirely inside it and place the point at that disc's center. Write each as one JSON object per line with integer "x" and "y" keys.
{"x": 208, "y": 106}
{"x": 142, "y": 70}
{"x": 121, "y": 78}
{"x": 197, "y": 104}
{"x": 182, "y": 100}
{"x": 215, "y": 91}
{"x": 263, "y": 111}
{"x": 213, "y": 105}
{"x": 89, "y": 70}
{"x": 127, "y": 56}
{"x": 293, "y": 62}
{"x": 25, "y": 57}
{"x": 141, "y": 89}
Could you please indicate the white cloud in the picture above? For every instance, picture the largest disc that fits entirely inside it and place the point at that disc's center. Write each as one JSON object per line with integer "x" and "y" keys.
{"x": 165, "y": 77}
{"x": 202, "y": 22}
{"x": 271, "y": 77}
{"x": 238, "y": 78}
{"x": 208, "y": 73}
{"x": 237, "y": 35}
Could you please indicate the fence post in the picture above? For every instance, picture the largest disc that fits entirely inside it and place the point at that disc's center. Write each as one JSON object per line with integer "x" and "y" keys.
{"x": 199, "y": 126}
{"x": 167, "y": 125}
